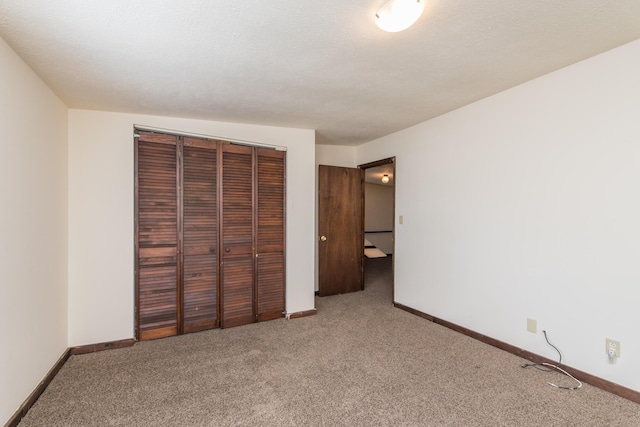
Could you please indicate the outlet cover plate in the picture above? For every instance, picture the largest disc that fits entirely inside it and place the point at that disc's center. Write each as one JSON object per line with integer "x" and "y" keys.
{"x": 532, "y": 325}
{"x": 612, "y": 345}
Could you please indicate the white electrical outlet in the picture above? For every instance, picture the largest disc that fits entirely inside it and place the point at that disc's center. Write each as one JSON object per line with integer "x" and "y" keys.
{"x": 612, "y": 348}
{"x": 532, "y": 325}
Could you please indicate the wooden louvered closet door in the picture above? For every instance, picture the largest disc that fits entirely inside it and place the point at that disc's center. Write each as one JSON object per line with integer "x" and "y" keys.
{"x": 210, "y": 234}
{"x": 237, "y": 235}
{"x": 199, "y": 234}
{"x": 270, "y": 236}
{"x": 157, "y": 236}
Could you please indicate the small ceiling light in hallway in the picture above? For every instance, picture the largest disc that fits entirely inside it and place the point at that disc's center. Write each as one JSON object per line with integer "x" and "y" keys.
{"x": 398, "y": 15}
{"x": 385, "y": 178}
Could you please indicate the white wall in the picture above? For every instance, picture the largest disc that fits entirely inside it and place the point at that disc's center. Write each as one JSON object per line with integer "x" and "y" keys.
{"x": 527, "y": 204}
{"x": 33, "y": 232}
{"x": 101, "y": 199}
{"x": 335, "y": 155}
{"x": 378, "y": 207}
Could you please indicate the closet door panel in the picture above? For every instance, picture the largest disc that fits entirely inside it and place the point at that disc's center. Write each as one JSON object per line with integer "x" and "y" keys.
{"x": 200, "y": 235}
{"x": 270, "y": 233}
{"x": 270, "y": 286}
{"x": 237, "y": 287}
{"x": 237, "y": 229}
{"x": 157, "y": 262}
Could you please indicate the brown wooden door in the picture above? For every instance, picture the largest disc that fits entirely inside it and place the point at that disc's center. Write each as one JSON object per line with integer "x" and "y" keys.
{"x": 340, "y": 229}
{"x": 199, "y": 234}
{"x": 270, "y": 233}
{"x": 157, "y": 261}
{"x": 237, "y": 225}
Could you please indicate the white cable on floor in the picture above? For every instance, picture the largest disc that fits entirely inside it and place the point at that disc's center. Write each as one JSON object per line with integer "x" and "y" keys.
{"x": 564, "y": 372}
{"x": 556, "y": 367}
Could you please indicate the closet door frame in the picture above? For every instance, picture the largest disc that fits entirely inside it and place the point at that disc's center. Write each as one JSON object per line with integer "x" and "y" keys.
{"x": 256, "y": 316}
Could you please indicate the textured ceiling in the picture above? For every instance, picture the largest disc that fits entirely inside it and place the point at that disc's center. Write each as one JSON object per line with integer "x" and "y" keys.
{"x": 321, "y": 65}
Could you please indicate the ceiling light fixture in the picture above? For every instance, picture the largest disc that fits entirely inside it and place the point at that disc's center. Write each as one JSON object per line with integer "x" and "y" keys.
{"x": 385, "y": 179}
{"x": 398, "y": 15}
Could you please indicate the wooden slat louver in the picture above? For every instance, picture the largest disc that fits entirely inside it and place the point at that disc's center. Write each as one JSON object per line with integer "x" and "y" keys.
{"x": 237, "y": 278}
{"x": 270, "y": 236}
{"x": 210, "y": 234}
{"x": 200, "y": 232}
{"x": 156, "y": 236}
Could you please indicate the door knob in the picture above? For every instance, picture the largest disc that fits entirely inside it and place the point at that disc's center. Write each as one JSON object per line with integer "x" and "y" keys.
{"x": 323, "y": 238}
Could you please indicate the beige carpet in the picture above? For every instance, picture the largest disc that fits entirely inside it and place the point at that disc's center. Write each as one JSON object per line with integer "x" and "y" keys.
{"x": 358, "y": 362}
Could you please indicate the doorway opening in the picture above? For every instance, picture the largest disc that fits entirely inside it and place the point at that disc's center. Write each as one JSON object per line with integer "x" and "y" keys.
{"x": 379, "y": 226}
